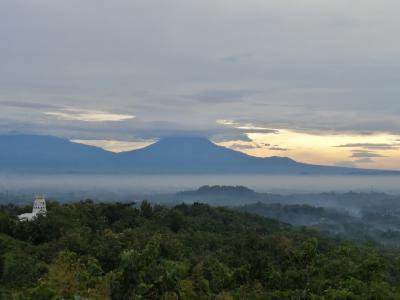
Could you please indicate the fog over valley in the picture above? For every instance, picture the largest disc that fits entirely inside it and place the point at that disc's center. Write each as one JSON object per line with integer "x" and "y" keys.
{"x": 102, "y": 187}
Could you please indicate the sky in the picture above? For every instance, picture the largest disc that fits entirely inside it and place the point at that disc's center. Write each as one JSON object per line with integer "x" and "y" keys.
{"x": 314, "y": 80}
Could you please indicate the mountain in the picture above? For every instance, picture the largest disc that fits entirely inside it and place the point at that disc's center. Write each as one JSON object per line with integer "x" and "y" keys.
{"x": 36, "y": 153}
{"x": 174, "y": 155}
{"x": 194, "y": 155}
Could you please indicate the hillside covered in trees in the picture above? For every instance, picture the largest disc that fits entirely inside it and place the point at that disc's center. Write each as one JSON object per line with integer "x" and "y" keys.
{"x": 88, "y": 250}
{"x": 379, "y": 226}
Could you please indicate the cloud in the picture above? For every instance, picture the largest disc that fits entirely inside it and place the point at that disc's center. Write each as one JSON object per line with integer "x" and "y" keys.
{"x": 230, "y": 136}
{"x": 236, "y": 58}
{"x": 365, "y": 154}
{"x": 225, "y": 122}
{"x": 210, "y": 63}
{"x": 70, "y": 114}
{"x": 244, "y": 146}
{"x": 353, "y": 163}
{"x": 278, "y": 149}
{"x": 250, "y": 128}
{"x": 116, "y": 145}
{"x": 246, "y": 126}
{"x": 221, "y": 96}
{"x": 363, "y": 160}
{"x": 377, "y": 146}
{"x": 27, "y": 105}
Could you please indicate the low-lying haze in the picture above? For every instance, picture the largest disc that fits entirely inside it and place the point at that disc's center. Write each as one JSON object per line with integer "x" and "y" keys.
{"x": 103, "y": 186}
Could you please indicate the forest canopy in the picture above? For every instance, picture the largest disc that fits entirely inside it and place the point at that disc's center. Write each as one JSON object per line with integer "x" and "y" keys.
{"x": 88, "y": 250}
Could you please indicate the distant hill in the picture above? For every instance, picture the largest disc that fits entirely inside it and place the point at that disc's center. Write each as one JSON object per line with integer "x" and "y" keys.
{"x": 213, "y": 190}
{"x": 240, "y": 195}
{"x": 175, "y": 155}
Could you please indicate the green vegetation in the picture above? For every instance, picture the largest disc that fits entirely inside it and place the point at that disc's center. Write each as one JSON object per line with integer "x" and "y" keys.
{"x": 377, "y": 225}
{"x": 90, "y": 250}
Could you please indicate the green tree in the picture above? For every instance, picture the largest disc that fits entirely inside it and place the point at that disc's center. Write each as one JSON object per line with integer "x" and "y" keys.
{"x": 146, "y": 209}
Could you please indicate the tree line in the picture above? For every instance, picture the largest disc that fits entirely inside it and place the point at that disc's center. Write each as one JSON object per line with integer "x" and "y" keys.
{"x": 119, "y": 251}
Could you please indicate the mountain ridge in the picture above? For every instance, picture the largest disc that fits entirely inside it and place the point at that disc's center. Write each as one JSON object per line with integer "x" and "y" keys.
{"x": 172, "y": 155}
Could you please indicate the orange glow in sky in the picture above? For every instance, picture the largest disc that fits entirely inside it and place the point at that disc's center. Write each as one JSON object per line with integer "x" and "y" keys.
{"x": 380, "y": 150}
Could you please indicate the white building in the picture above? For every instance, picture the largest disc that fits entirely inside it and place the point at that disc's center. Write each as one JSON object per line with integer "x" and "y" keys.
{"x": 39, "y": 208}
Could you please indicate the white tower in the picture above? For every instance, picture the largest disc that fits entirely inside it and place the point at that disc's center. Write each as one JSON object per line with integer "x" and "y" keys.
{"x": 39, "y": 206}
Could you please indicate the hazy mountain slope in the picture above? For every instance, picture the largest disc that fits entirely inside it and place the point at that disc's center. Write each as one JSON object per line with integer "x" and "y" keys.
{"x": 198, "y": 155}
{"x": 30, "y": 153}
{"x": 46, "y": 153}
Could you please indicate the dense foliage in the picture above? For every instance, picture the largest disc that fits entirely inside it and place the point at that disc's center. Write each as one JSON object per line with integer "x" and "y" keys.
{"x": 89, "y": 250}
{"x": 376, "y": 225}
